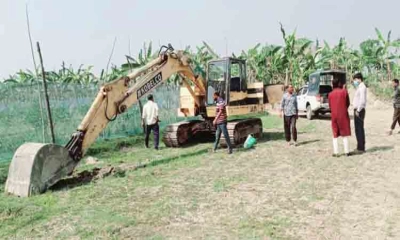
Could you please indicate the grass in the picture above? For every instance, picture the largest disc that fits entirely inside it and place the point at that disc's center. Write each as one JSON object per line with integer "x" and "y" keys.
{"x": 174, "y": 186}
{"x": 68, "y": 110}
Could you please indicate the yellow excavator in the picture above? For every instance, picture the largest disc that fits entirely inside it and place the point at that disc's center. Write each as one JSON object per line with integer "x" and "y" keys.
{"x": 35, "y": 166}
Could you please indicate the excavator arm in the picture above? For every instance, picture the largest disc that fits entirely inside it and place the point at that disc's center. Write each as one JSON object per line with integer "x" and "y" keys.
{"x": 116, "y": 97}
{"x": 35, "y": 167}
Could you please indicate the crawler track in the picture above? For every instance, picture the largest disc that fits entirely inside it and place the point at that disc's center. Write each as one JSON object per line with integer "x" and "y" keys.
{"x": 239, "y": 130}
{"x": 179, "y": 134}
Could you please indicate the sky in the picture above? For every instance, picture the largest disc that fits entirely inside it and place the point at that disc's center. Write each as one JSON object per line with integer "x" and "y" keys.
{"x": 83, "y": 31}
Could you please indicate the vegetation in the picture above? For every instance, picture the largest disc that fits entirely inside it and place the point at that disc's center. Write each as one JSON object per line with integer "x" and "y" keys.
{"x": 291, "y": 62}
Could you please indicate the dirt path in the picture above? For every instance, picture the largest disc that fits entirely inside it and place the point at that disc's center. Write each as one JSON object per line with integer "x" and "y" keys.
{"x": 356, "y": 197}
{"x": 292, "y": 193}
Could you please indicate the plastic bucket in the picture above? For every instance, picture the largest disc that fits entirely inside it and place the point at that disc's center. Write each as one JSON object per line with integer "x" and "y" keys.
{"x": 250, "y": 141}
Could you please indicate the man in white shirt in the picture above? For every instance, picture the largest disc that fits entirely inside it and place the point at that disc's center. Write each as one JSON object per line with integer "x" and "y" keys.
{"x": 359, "y": 104}
{"x": 150, "y": 121}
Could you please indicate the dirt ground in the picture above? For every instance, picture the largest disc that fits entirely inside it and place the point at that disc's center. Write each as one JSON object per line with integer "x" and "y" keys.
{"x": 351, "y": 197}
{"x": 276, "y": 192}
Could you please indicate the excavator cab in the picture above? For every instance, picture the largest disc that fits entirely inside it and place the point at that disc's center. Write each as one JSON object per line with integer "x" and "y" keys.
{"x": 228, "y": 77}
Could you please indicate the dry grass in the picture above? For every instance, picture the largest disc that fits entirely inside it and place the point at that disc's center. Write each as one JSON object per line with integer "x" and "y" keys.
{"x": 271, "y": 192}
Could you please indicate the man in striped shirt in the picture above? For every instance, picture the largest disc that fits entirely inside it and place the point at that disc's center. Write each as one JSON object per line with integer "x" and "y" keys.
{"x": 220, "y": 122}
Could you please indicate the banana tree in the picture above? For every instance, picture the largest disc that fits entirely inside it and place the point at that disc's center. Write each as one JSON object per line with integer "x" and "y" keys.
{"x": 370, "y": 53}
{"x": 271, "y": 62}
{"x": 294, "y": 52}
{"x": 385, "y": 51}
{"x": 251, "y": 57}
{"x": 145, "y": 55}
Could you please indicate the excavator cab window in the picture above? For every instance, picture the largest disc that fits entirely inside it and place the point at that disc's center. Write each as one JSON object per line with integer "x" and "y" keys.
{"x": 216, "y": 80}
{"x": 228, "y": 77}
{"x": 237, "y": 83}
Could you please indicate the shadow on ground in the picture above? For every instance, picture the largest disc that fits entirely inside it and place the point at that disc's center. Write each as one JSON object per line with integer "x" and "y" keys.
{"x": 374, "y": 149}
{"x": 379, "y": 149}
{"x": 307, "y": 142}
{"x": 271, "y": 136}
{"x": 274, "y": 136}
{"x": 326, "y": 117}
{"x": 87, "y": 176}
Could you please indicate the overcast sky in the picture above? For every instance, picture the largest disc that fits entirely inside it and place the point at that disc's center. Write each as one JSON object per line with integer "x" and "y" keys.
{"x": 83, "y": 31}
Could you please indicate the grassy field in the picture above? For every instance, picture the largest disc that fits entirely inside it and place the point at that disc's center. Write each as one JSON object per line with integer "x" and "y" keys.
{"x": 105, "y": 207}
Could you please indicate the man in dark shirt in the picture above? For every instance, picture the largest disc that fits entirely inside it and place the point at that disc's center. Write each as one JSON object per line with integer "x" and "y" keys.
{"x": 220, "y": 122}
{"x": 396, "y": 106}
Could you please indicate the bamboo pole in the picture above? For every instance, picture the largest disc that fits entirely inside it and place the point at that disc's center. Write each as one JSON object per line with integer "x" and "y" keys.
{"x": 36, "y": 73}
{"x": 46, "y": 94}
{"x": 140, "y": 103}
{"x": 109, "y": 58}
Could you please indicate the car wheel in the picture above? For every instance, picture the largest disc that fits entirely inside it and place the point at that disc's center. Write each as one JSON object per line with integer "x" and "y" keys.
{"x": 309, "y": 113}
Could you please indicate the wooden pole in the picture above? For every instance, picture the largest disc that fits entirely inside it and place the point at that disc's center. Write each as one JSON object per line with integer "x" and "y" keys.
{"x": 109, "y": 58}
{"x": 36, "y": 73}
{"x": 46, "y": 94}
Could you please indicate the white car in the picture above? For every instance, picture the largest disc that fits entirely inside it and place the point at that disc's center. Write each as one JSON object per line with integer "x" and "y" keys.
{"x": 313, "y": 103}
{"x": 313, "y": 97}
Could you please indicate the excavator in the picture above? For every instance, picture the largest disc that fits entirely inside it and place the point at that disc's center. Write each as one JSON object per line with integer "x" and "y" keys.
{"x": 37, "y": 166}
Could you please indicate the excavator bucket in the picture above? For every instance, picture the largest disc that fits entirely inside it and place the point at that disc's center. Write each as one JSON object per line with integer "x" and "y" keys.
{"x": 36, "y": 166}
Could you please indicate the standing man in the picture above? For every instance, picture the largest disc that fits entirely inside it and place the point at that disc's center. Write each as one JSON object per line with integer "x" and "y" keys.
{"x": 339, "y": 103}
{"x": 290, "y": 114}
{"x": 220, "y": 122}
{"x": 150, "y": 121}
{"x": 396, "y": 105}
{"x": 359, "y": 104}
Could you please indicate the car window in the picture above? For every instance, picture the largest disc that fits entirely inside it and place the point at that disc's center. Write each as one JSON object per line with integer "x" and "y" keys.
{"x": 304, "y": 91}
{"x": 299, "y": 91}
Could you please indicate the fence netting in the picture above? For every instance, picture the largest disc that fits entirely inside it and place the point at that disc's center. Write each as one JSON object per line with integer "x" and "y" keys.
{"x": 22, "y": 120}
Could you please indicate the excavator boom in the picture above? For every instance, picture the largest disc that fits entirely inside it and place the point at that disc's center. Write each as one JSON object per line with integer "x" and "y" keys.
{"x": 35, "y": 167}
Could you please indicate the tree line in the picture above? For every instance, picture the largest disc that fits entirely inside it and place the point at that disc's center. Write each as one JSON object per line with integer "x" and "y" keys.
{"x": 291, "y": 62}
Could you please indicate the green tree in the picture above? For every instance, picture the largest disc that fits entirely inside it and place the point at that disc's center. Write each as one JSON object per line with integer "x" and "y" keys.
{"x": 385, "y": 52}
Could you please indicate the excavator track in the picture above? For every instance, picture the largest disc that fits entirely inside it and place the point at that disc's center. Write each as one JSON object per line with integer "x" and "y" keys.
{"x": 179, "y": 134}
{"x": 239, "y": 130}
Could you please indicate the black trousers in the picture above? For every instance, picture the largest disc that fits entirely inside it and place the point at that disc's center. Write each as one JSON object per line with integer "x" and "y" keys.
{"x": 359, "y": 129}
{"x": 156, "y": 133}
{"x": 289, "y": 123}
{"x": 396, "y": 118}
